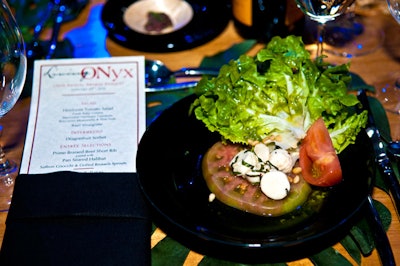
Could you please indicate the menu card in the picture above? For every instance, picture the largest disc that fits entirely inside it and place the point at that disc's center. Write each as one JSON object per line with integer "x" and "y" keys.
{"x": 87, "y": 115}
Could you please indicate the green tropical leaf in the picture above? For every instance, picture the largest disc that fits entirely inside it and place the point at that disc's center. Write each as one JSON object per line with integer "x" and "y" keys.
{"x": 362, "y": 235}
{"x": 153, "y": 228}
{"x": 329, "y": 257}
{"x": 168, "y": 252}
{"x": 380, "y": 118}
{"x": 352, "y": 248}
{"x": 384, "y": 214}
{"x": 357, "y": 83}
{"x": 209, "y": 261}
{"x": 232, "y": 53}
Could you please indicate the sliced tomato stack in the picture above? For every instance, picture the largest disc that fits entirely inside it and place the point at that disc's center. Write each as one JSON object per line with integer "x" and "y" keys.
{"x": 239, "y": 193}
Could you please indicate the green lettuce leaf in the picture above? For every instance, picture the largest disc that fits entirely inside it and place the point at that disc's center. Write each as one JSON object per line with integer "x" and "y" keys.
{"x": 277, "y": 95}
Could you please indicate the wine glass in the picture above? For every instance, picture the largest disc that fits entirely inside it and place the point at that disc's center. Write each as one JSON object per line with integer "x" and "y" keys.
{"x": 323, "y": 11}
{"x": 356, "y": 32}
{"x": 55, "y": 14}
{"x": 13, "y": 64}
{"x": 394, "y": 8}
{"x": 389, "y": 95}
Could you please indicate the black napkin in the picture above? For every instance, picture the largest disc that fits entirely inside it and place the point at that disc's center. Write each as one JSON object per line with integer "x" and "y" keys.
{"x": 68, "y": 218}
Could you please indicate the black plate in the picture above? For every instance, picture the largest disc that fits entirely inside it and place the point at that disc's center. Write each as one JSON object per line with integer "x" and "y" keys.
{"x": 168, "y": 165}
{"x": 210, "y": 18}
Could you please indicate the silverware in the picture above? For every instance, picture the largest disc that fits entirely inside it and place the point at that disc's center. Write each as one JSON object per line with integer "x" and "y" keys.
{"x": 58, "y": 20}
{"x": 157, "y": 74}
{"x": 381, "y": 158}
{"x": 394, "y": 151}
{"x": 382, "y": 243}
{"x": 171, "y": 86}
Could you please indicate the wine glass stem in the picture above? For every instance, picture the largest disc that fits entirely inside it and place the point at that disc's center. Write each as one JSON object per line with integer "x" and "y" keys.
{"x": 320, "y": 39}
{"x": 4, "y": 162}
{"x": 6, "y": 166}
{"x": 397, "y": 84}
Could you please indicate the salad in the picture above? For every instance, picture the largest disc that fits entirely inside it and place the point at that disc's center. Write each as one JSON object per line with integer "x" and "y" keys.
{"x": 289, "y": 114}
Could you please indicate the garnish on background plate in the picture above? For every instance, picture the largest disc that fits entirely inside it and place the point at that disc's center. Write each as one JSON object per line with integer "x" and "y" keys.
{"x": 157, "y": 22}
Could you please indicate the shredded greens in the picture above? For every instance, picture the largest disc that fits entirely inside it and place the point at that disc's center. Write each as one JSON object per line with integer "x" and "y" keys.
{"x": 277, "y": 95}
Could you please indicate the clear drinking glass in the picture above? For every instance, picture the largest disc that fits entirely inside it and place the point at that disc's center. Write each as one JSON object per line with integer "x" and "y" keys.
{"x": 355, "y": 33}
{"x": 389, "y": 95}
{"x": 12, "y": 78}
{"x": 323, "y": 11}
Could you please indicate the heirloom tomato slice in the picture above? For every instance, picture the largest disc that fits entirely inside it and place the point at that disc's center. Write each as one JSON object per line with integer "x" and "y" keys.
{"x": 318, "y": 159}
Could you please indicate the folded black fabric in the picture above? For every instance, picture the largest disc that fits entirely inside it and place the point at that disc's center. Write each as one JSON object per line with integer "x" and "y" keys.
{"x": 68, "y": 218}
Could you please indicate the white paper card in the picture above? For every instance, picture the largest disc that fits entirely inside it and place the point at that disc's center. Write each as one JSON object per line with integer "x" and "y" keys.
{"x": 87, "y": 115}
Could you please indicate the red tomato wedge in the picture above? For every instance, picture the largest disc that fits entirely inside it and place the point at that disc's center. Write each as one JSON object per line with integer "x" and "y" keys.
{"x": 319, "y": 162}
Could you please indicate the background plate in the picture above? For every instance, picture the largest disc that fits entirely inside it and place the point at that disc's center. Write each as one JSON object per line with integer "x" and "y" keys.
{"x": 210, "y": 18}
{"x": 169, "y": 169}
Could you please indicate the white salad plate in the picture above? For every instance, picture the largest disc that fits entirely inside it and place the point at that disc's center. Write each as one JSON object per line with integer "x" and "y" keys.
{"x": 194, "y": 22}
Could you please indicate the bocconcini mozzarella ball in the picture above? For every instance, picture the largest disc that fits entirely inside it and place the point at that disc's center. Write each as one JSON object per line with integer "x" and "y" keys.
{"x": 282, "y": 160}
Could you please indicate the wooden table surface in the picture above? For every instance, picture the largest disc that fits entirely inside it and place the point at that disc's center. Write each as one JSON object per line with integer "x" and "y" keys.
{"x": 377, "y": 68}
